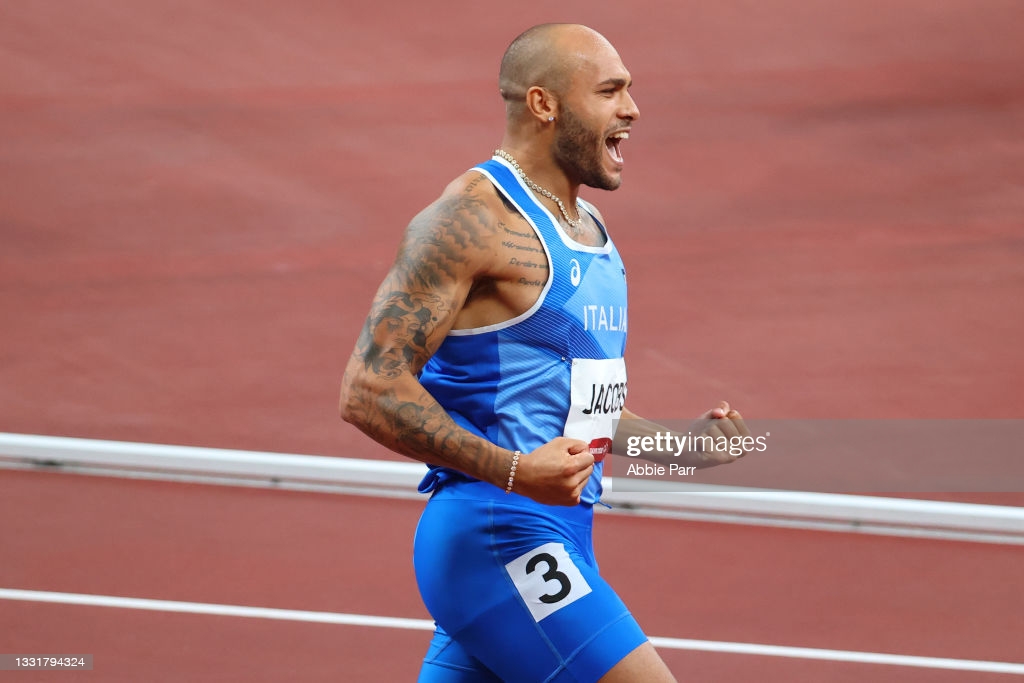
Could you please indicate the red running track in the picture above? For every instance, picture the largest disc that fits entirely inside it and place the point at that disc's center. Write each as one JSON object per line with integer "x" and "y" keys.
{"x": 351, "y": 555}
{"x": 821, "y": 217}
{"x": 821, "y": 211}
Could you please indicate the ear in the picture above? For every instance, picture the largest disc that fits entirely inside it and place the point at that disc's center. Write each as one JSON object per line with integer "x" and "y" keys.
{"x": 542, "y": 104}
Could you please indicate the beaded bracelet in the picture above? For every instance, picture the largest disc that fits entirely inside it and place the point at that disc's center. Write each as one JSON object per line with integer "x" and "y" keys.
{"x": 512, "y": 471}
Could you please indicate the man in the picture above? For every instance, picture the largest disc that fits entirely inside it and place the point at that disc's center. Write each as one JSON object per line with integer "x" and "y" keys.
{"x": 493, "y": 351}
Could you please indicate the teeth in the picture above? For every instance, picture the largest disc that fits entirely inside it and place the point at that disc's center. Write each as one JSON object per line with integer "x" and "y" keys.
{"x": 621, "y": 135}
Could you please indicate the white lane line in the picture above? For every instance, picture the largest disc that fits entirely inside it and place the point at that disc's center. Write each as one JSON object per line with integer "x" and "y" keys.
{"x": 839, "y": 655}
{"x": 217, "y": 610}
{"x": 428, "y": 625}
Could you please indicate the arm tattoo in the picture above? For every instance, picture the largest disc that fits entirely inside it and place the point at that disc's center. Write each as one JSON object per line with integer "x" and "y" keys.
{"x": 414, "y": 306}
{"x": 418, "y": 295}
{"x": 396, "y": 333}
{"x": 420, "y": 428}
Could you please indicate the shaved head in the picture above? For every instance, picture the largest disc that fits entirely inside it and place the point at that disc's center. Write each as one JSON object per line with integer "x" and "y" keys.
{"x": 567, "y": 105}
{"x": 547, "y": 56}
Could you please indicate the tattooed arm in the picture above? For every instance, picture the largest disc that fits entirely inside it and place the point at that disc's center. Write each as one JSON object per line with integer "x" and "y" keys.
{"x": 449, "y": 249}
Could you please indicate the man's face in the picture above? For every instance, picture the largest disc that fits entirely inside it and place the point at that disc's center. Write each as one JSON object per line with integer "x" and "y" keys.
{"x": 595, "y": 113}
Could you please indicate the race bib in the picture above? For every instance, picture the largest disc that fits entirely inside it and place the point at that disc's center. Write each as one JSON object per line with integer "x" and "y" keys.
{"x": 598, "y": 394}
{"x": 547, "y": 579}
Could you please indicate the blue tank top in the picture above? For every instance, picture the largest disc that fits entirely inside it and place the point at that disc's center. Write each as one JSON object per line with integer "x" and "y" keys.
{"x": 557, "y": 369}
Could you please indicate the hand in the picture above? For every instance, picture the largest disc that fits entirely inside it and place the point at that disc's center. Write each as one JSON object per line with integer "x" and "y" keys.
{"x": 555, "y": 473}
{"x": 723, "y": 421}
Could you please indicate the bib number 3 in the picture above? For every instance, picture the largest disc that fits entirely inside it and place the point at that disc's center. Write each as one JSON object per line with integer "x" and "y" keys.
{"x": 547, "y": 579}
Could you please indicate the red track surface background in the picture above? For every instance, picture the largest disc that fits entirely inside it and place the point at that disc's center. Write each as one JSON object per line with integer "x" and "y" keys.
{"x": 821, "y": 216}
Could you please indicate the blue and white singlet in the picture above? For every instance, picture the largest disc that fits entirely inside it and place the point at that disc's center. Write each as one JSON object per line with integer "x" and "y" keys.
{"x": 557, "y": 369}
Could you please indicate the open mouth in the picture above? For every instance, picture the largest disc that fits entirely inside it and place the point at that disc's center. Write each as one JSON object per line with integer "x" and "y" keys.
{"x": 613, "y": 141}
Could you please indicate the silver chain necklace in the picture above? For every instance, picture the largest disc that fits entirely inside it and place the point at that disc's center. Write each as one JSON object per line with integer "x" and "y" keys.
{"x": 576, "y": 224}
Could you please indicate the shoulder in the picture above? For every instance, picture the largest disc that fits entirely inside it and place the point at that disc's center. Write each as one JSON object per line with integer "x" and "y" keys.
{"x": 471, "y": 190}
{"x": 457, "y": 231}
{"x": 467, "y": 205}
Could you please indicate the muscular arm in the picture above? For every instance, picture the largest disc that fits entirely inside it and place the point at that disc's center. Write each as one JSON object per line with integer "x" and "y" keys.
{"x": 448, "y": 249}
{"x": 444, "y": 248}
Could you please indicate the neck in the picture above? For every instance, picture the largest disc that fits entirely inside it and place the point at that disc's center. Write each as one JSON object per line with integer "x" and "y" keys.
{"x": 568, "y": 209}
{"x": 537, "y": 162}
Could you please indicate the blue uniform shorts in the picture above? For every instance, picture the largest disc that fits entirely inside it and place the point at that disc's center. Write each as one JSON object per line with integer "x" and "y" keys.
{"x": 514, "y": 589}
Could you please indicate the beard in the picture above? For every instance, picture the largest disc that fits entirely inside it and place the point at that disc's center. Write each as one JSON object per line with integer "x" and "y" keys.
{"x": 580, "y": 153}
